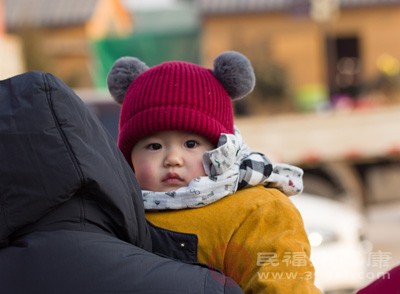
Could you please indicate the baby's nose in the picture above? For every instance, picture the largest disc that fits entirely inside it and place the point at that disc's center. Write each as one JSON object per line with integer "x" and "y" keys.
{"x": 173, "y": 158}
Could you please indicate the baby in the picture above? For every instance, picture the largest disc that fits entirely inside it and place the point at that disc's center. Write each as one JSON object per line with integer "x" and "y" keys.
{"x": 199, "y": 178}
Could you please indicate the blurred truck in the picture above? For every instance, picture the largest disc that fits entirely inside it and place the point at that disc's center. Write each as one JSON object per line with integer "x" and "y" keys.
{"x": 352, "y": 156}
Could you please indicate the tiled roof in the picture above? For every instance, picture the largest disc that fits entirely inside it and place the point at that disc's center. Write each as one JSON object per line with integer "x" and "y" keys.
{"x": 356, "y": 3}
{"x": 47, "y": 13}
{"x": 230, "y": 6}
{"x": 235, "y": 6}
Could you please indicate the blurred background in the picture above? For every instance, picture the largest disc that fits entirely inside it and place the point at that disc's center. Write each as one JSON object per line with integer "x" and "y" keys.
{"x": 327, "y": 96}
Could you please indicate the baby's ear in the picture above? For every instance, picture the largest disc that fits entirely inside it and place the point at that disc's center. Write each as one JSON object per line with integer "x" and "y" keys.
{"x": 123, "y": 72}
{"x": 235, "y": 72}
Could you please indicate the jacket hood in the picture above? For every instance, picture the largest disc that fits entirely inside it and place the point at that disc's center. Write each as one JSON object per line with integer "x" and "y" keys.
{"x": 59, "y": 168}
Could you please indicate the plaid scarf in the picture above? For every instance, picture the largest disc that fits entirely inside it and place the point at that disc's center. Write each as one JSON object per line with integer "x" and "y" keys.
{"x": 229, "y": 167}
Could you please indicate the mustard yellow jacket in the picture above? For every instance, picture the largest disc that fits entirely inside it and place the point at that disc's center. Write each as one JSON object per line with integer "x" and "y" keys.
{"x": 256, "y": 236}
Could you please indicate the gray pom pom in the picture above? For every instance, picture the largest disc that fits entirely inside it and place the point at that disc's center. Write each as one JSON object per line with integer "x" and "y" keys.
{"x": 122, "y": 74}
{"x": 235, "y": 72}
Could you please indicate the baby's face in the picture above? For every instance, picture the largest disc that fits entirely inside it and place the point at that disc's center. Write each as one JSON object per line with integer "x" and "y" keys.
{"x": 169, "y": 160}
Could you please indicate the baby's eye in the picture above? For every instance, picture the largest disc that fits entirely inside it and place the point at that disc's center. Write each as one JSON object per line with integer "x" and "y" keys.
{"x": 191, "y": 144}
{"x": 154, "y": 146}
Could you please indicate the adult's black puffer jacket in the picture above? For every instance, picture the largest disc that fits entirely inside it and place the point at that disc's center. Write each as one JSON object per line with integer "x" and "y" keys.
{"x": 71, "y": 218}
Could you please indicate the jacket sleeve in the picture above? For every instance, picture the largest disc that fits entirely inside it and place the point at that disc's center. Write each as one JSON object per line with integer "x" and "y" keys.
{"x": 274, "y": 246}
{"x": 67, "y": 261}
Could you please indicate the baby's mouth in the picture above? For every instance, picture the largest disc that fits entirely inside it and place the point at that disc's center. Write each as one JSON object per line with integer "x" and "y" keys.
{"x": 173, "y": 179}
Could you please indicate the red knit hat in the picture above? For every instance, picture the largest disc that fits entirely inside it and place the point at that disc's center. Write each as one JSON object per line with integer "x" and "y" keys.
{"x": 178, "y": 95}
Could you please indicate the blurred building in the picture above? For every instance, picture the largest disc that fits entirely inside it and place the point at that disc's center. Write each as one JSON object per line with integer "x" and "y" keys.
{"x": 326, "y": 47}
{"x": 57, "y": 34}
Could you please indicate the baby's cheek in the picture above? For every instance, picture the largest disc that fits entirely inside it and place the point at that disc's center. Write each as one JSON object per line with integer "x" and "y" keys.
{"x": 199, "y": 168}
{"x": 144, "y": 175}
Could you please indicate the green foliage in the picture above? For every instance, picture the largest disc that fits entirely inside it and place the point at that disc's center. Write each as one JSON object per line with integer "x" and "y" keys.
{"x": 150, "y": 47}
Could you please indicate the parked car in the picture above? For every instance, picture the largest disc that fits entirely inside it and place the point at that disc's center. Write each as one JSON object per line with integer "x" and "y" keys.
{"x": 338, "y": 249}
